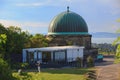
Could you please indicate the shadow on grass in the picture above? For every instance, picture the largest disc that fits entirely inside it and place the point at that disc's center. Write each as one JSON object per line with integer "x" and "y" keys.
{"x": 67, "y": 71}
{"x": 25, "y": 76}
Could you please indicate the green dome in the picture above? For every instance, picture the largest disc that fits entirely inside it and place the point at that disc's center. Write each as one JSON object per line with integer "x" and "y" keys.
{"x": 67, "y": 23}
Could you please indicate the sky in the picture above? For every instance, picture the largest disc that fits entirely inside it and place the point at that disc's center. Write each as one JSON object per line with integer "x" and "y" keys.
{"x": 36, "y": 15}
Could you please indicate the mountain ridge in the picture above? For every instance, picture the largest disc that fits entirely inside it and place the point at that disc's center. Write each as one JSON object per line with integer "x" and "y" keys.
{"x": 105, "y": 35}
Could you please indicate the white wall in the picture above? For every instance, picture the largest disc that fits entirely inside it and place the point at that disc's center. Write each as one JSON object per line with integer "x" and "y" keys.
{"x": 72, "y": 54}
{"x": 60, "y": 55}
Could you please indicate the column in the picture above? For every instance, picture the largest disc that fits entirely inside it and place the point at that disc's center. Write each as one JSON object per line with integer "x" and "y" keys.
{"x": 51, "y": 56}
{"x": 65, "y": 55}
{"x": 40, "y": 56}
{"x": 24, "y": 54}
{"x": 35, "y": 55}
{"x": 54, "y": 56}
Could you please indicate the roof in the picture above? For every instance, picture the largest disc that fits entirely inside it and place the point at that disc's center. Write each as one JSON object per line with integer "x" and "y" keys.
{"x": 55, "y": 48}
{"x": 67, "y": 23}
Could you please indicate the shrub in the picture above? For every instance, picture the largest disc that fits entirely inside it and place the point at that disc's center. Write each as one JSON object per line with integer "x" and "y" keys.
{"x": 24, "y": 65}
{"x": 20, "y": 65}
{"x": 79, "y": 62}
{"x": 117, "y": 55}
{"x": 5, "y": 71}
{"x": 90, "y": 61}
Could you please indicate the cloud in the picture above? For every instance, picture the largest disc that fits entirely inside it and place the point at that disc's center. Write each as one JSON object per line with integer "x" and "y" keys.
{"x": 33, "y": 4}
{"x": 32, "y": 27}
{"x": 29, "y": 4}
{"x": 48, "y": 3}
{"x": 8, "y": 23}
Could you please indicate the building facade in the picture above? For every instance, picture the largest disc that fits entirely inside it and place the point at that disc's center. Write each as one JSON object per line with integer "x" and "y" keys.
{"x": 53, "y": 54}
{"x": 69, "y": 28}
{"x": 66, "y": 29}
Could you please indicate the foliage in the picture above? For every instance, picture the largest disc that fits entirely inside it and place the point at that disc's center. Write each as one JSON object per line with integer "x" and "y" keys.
{"x": 3, "y": 30}
{"x": 117, "y": 56}
{"x": 3, "y": 39}
{"x": 5, "y": 71}
{"x": 105, "y": 48}
{"x": 24, "y": 65}
{"x": 79, "y": 61}
{"x": 37, "y": 41}
{"x": 90, "y": 61}
{"x": 19, "y": 65}
{"x": 69, "y": 43}
{"x": 54, "y": 74}
{"x": 118, "y": 20}
{"x": 117, "y": 42}
{"x": 12, "y": 41}
{"x": 16, "y": 39}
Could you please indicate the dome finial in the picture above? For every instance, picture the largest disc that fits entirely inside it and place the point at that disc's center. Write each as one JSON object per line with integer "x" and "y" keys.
{"x": 67, "y": 8}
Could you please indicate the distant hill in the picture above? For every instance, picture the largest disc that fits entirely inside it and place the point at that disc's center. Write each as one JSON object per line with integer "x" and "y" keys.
{"x": 99, "y": 34}
{"x": 105, "y": 35}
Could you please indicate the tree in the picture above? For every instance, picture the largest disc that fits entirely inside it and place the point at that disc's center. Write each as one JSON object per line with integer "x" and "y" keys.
{"x": 117, "y": 42}
{"x": 117, "y": 55}
{"x": 79, "y": 62}
{"x": 90, "y": 61}
{"x": 37, "y": 41}
{"x": 3, "y": 39}
{"x": 5, "y": 71}
{"x": 3, "y": 30}
{"x": 16, "y": 41}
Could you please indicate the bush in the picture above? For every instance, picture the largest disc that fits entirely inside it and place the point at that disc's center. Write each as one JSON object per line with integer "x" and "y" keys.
{"x": 90, "y": 61}
{"x": 79, "y": 62}
{"x": 117, "y": 55}
{"x": 20, "y": 65}
{"x": 24, "y": 65}
{"x": 5, "y": 71}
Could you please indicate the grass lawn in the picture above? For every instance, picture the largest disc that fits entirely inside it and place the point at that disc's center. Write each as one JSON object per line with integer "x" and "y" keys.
{"x": 53, "y": 74}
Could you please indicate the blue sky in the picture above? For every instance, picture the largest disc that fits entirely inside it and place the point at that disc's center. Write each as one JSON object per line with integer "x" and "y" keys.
{"x": 35, "y": 15}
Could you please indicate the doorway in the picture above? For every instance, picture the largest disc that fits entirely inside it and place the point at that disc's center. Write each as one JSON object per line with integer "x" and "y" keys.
{"x": 46, "y": 56}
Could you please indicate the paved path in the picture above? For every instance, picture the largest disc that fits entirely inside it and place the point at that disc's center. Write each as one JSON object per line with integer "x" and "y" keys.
{"x": 107, "y": 70}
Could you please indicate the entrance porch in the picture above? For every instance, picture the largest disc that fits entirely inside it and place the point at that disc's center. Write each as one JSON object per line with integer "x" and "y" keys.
{"x": 59, "y": 54}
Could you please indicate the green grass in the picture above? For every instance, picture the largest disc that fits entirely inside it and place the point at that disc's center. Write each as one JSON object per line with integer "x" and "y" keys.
{"x": 53, "y": 74}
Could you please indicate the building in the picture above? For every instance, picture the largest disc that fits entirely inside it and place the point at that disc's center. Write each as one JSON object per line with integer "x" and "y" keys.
{"x": 69, "y": 28}
{"x": 53, "y": 54}
{"x": 68, "y": 31}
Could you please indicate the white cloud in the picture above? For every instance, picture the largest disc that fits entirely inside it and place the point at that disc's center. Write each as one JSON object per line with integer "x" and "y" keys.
{"x": 32, "y": 27}
{"x": 33, "y": 4}
{"x": 49, "y": 3}
{"x": 8, "y": 23}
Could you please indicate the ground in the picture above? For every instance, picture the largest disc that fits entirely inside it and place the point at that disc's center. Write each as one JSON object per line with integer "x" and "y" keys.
{"x": 53, "y": 74}
{"x": 107, "y": 70}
